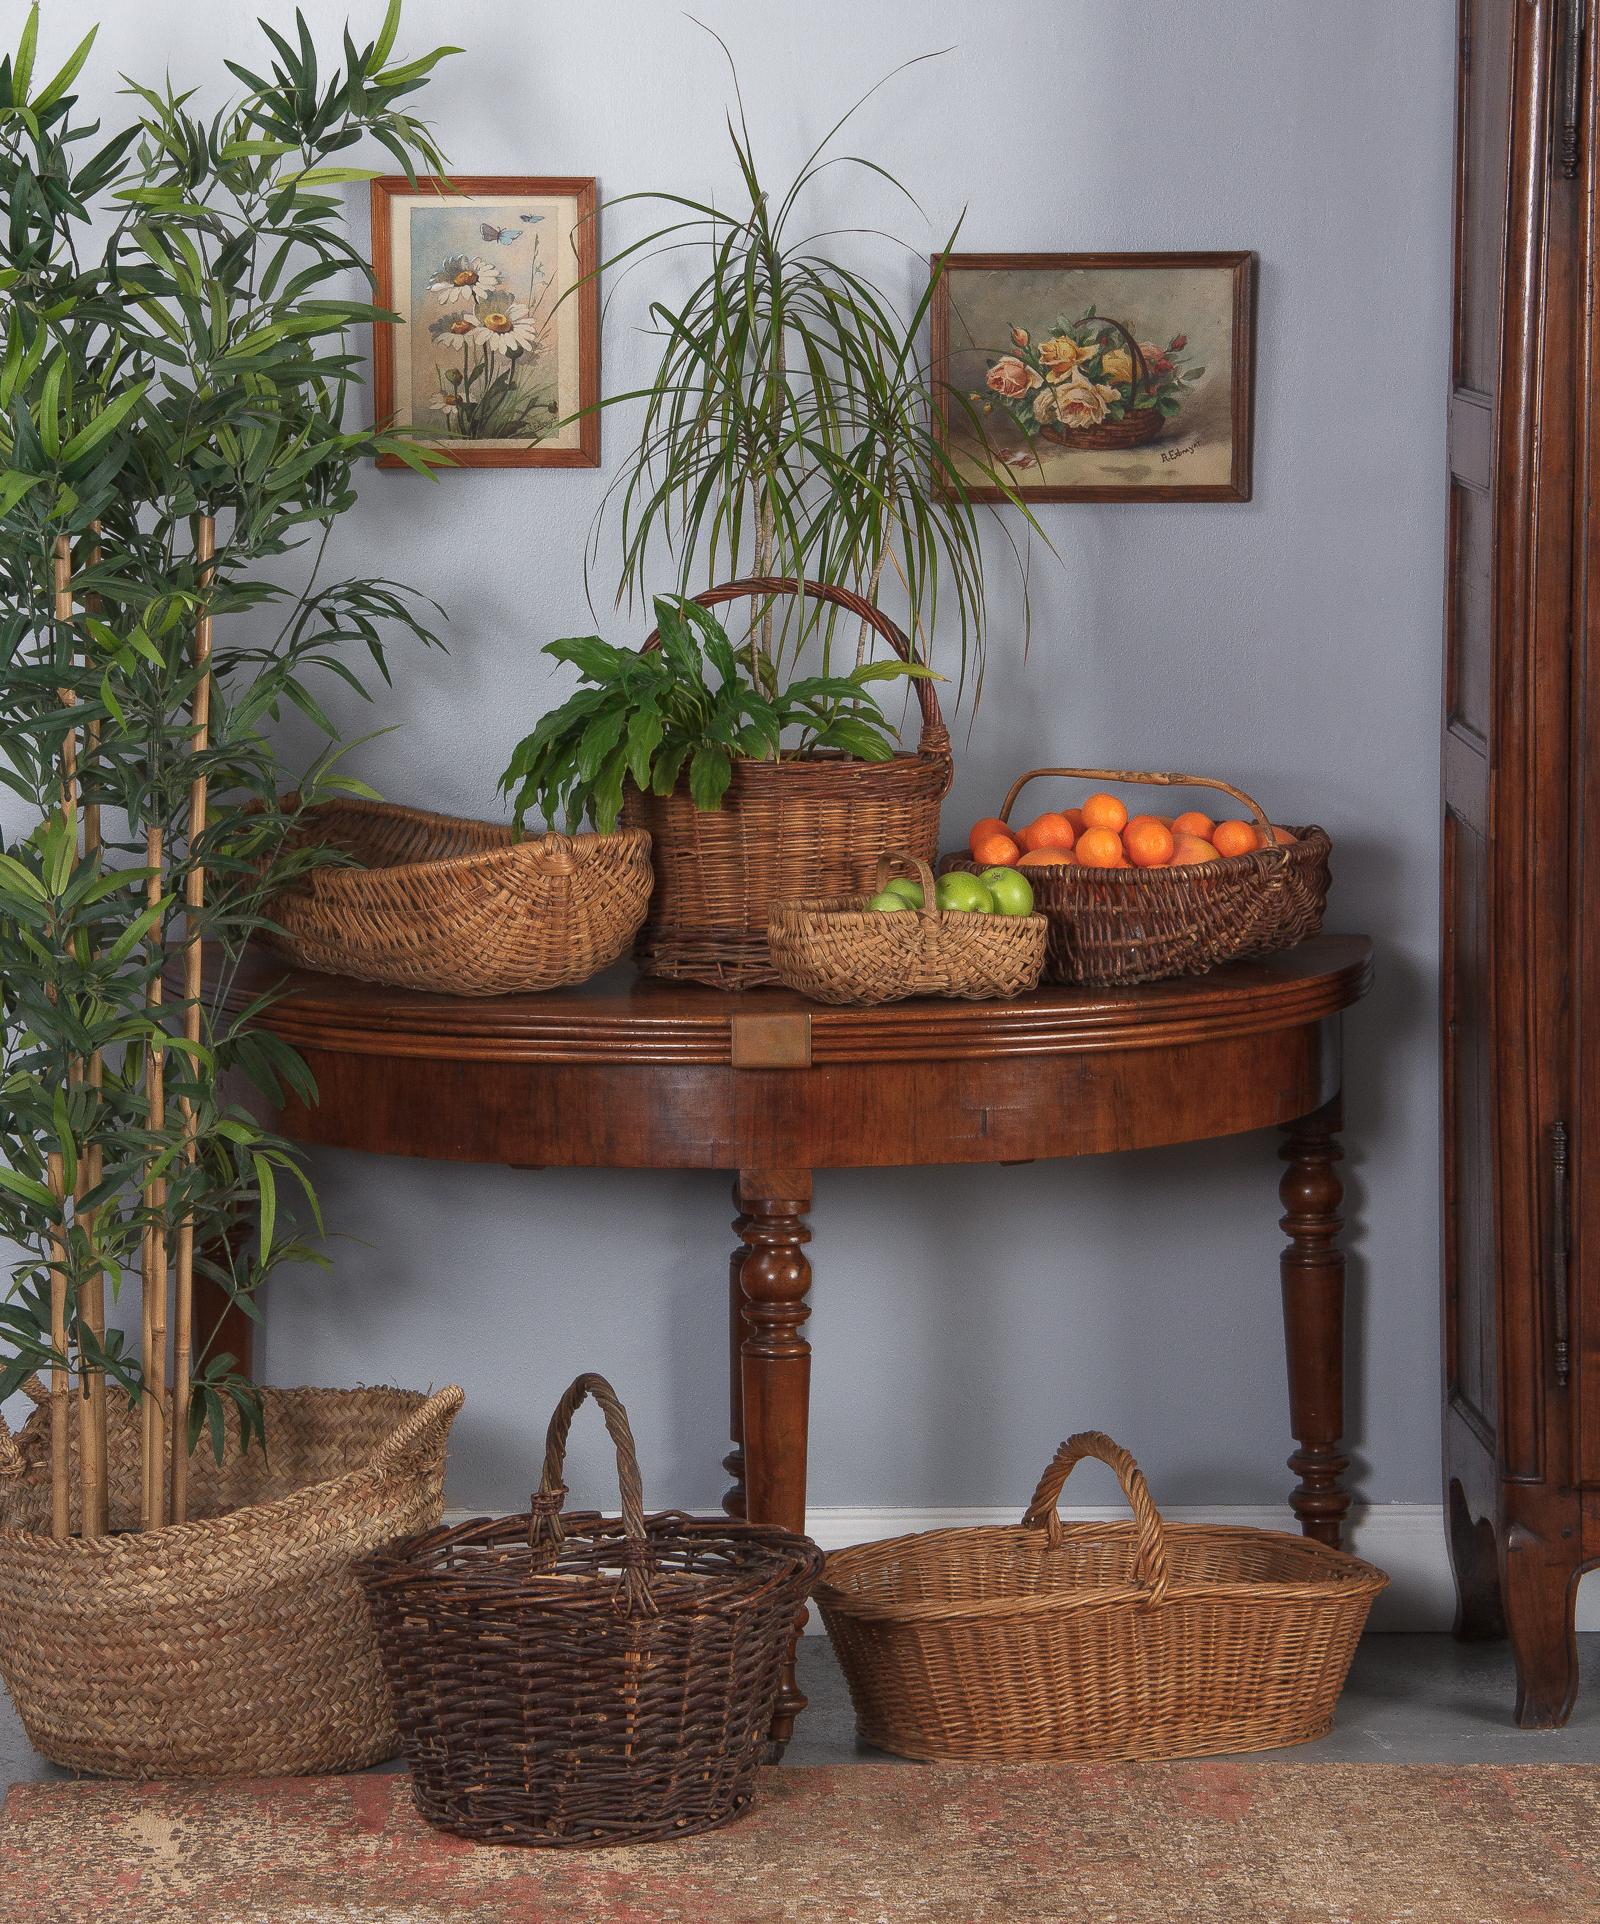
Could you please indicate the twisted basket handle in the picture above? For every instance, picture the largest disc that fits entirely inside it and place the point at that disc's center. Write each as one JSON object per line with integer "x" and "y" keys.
{"x": 1151, "y": 1562}
{"x": 12, "y": 1461}
{"x": 935, "y": 736}
{"x": 545, "y": 1534}
{"x": 899, "y": 858}
{"x": 1268, "y": 839}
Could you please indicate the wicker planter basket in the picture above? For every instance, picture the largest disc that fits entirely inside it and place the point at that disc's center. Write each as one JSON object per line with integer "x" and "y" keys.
{"x": 1119, "y": 1640}
{"x": 842, "y": 951}
{"x": 458, "y": 906}
{"x": 1115, "y": 927}
{"x": 567, "y": 1680}
{"x": 812, "y": 826}
{"x": 236, "y": 1644}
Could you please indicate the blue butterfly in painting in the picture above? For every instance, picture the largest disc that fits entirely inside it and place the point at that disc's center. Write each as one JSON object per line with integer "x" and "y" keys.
{"x": 506, "y": 236}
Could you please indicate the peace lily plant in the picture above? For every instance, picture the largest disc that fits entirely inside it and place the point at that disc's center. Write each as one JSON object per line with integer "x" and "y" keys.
{"x": 174, "y": 446}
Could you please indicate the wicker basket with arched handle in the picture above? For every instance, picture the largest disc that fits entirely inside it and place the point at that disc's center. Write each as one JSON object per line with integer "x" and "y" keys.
{"x": 1143, "y": 1639}
{"x": 1110, "y": 927}
{"x": 805, "y": 826}
{"x": 1135, "y": 428}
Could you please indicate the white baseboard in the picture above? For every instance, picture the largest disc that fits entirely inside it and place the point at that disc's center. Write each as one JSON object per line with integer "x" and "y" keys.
{"x": 1405, "y": 1539}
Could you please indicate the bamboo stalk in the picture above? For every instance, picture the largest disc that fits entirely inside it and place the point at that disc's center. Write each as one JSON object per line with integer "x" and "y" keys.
{"x": 194, "y": 895}
{"x": 94, "y": 1518}
{"x": 60, "y": 1384}
{"x": 153, "y": 1280}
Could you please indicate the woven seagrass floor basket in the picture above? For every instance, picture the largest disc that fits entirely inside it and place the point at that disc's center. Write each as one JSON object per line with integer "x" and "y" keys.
{"x": 460, "y": 907}
{"x": 811, "y": 826}
{"x": 236, "y": 1644}
{"x": 1116, "y": 927}
{"x": 1123, "y": 1640}
{"x": 573, "y": 1680}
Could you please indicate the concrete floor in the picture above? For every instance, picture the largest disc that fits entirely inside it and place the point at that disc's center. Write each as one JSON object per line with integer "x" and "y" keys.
{"x": 1409, "y": 1700}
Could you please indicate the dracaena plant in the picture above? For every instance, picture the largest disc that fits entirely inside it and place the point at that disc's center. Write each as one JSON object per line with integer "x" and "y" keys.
{"x": 173, "y": 429}
{"x": 657, "y": 716}
{"x": 793, "y": 424}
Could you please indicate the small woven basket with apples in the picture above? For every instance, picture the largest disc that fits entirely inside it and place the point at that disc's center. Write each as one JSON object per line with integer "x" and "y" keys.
{"x": 846, "y": 951}
{"x": 1125, "y": 922}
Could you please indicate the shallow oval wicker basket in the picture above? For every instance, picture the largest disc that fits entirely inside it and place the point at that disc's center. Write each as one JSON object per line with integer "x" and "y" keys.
{"x": 842, "y": 951}
{"x": 461, "y": 907}
{"x": 573, "y": 1680}
{"x": 807, "y": 825}
{"x": 1119, "y": 1640}
{"x": 1110, "y": 927}
{"x": 236, "y": 1644}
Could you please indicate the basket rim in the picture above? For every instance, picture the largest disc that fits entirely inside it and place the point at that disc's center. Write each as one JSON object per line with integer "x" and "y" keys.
{"x": 1342, "y": 1577}
{"x": 156, "y": 1546}
{"x": 1265, "y": 862}
{"x": 853, "y": 909}
{"x": 585, "y": 845}
{"x": 412, "y": 1563}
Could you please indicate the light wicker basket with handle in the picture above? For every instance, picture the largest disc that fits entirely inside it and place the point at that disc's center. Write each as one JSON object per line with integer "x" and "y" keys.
{"x": 842, "y": 951}
{"x": 1114, "y": 926}
{"x": 1144, "y": 1639}
{"x": 805, "y": 826}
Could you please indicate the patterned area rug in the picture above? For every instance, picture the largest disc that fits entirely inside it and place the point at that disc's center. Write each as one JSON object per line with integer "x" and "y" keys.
{"x": 1211, "y": 1843}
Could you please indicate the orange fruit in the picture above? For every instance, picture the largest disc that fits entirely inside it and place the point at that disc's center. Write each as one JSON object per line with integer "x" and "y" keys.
{"x": 1105, "y": 811}
{"x": 990, "y": 825}
{"x": 1048, "y": 858}
{"x": 1192, "y": 822}
{"x": 1100, "y": 848}
{"x": 996, "y": 851}
{"x": 1235, "y": 838}
{"x": 1192, "y": 848}
{"x": 1283, "y": 838}
{"x": 1047, "y": 831}
{"x": 1149, "y": 843}
{"x": 1075, "y": 819}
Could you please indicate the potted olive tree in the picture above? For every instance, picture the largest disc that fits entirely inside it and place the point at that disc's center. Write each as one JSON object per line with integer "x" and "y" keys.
{"x": 172, "y": 430}
{"x": 790, "y": 455}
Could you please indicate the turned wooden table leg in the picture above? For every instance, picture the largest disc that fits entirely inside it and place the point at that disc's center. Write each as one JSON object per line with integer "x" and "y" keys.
{"x": 774, "y": 1280}
{"x": 1312, "y": 1267}
{"x": 733, "y": 1502}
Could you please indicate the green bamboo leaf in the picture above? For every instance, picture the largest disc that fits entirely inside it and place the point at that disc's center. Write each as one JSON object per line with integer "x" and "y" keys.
{"x": 104, "y": 425}
{"x": 268, "y": 1189}
{"x": 27, "y": 1189}
{"x": 22, "y": 65}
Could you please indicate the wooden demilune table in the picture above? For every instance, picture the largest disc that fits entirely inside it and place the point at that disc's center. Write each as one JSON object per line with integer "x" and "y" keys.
{"x": 629, "y": 1074}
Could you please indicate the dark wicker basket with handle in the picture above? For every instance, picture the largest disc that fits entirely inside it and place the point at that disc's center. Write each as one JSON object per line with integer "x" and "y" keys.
{"x": 811, "y": 825}
{"x": 1144, "y": 1639}
{"x": 1110, "y": 927}
{"x": 1136, "y": 427}
{"x": 569, "y": 1680}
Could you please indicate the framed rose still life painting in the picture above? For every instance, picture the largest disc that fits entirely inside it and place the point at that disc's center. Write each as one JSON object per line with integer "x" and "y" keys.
{"x": 1098, "y": 377}
{"x": 495, "y": 359}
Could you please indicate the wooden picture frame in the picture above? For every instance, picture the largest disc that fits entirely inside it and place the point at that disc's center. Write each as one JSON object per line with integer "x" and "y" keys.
{"x": 1041, "y": 375}
{"x": 514, "y": 358}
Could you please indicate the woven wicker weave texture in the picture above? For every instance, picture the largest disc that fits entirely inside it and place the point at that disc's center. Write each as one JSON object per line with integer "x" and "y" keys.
{"x": 237, "y": 1643}
{"x": 1133, "y": 1640}
{"x": 804, "y": 827}
{"x": 461, "y": 907}
{"x": 565, "y": 1680}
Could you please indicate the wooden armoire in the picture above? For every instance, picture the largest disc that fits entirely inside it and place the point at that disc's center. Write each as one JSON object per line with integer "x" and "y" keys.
{"x": 1521, "y": 844}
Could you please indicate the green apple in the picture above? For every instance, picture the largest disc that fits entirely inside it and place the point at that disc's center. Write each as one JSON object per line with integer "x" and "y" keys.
{"x": 1012, "y": 891}
{"x": 964, "y": 893}
{"x": 887, "y": 900}
{"x": 903, "y": 885}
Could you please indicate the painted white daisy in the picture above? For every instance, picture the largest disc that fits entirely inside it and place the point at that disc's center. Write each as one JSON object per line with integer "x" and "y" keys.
{"x": 511, "y": 329}
{"x": 454, "y": 333}
{"x": 462, "y": 280}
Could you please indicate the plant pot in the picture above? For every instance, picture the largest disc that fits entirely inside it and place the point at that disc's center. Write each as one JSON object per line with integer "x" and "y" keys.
{"x": 238, "y": 1643}
{"x": 811, "y": 826}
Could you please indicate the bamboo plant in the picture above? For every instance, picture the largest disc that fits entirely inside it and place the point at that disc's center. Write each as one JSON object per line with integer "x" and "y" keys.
{"x": 173, "y": 451}
{"x": 793, "y": 425}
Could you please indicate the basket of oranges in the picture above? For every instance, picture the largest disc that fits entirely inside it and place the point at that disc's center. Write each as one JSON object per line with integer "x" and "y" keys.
{"x": 1139, "y": 898}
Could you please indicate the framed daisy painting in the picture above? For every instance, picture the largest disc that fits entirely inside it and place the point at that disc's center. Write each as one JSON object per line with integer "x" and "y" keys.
{"x": 495, "y": 357}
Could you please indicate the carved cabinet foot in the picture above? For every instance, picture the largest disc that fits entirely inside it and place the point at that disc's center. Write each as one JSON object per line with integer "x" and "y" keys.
{"x": 1312, "y": 1270}
{"x": 1541, "y": 1603}
{"x": 775, "y": 1373}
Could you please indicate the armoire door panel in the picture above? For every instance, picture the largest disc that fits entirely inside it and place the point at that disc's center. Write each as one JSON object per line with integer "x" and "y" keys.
{"x": 1469, "y": 627}
{"x": 1488, "y": 38}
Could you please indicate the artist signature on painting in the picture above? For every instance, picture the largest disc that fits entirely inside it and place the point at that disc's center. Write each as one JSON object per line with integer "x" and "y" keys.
{"x": 1174, "y": 454}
